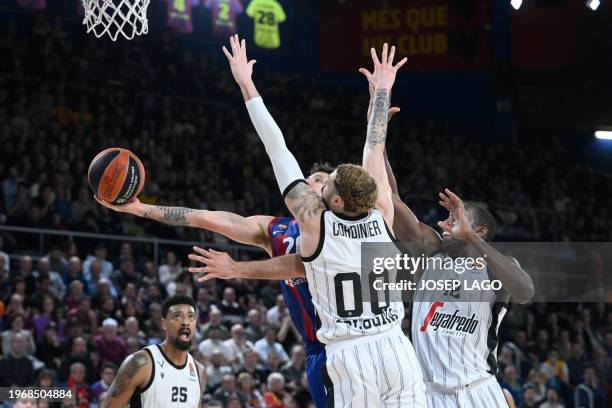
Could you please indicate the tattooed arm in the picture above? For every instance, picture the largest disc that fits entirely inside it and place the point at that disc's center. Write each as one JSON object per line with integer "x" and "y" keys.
{"x": 246, "y": 230}
{"x": 373, "y": 151}
{"x": 133, "y": 374}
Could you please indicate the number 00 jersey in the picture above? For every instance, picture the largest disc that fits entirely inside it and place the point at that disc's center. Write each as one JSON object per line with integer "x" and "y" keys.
{"x": 345, "y": 299}
{"x": 170, "y": 385}
{"x": 454, "y": 332}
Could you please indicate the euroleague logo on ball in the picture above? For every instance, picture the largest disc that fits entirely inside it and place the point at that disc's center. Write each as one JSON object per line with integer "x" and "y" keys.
{"x": 116, "y": 175}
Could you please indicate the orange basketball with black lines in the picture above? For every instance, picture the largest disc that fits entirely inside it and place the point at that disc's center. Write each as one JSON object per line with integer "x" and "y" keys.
{"x": 116, "y": 175}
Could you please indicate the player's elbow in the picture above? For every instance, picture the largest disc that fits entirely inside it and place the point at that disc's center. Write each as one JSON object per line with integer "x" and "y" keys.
{"x": 526, "y": 292}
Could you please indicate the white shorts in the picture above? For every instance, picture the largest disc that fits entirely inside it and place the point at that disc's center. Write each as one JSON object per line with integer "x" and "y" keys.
{"x": 375, "y": 371}
{"x": 484, "y": 393}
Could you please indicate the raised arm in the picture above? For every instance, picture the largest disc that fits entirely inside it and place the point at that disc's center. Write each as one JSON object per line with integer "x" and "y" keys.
{"x": 406, "y": 225}
{"x": 134, "y": 373}
{"x": 515, "y": 281}
{"x": 303, "y": 203}
{"x": 373, "y": 152}
{"x": 246, "y": 230}
{"x": 219, "y": 265}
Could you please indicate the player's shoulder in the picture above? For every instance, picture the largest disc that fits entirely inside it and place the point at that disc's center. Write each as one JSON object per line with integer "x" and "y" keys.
{"x": 138, "y": 367}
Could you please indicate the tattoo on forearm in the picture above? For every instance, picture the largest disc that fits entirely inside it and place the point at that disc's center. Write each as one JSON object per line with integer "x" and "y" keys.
{"x": 169, "y": 215}
{"x": 125, "y": 375}
{"x": 309, "y": 202}
{"x": 377, "y": 128}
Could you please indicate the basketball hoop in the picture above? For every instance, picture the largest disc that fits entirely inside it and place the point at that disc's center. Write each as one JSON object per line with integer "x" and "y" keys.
{"x": 114, "y": 17}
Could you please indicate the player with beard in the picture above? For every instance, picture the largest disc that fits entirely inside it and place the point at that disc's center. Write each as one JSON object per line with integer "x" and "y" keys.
{"x": 162, "y": 375}
{"x": 458, "y": 359}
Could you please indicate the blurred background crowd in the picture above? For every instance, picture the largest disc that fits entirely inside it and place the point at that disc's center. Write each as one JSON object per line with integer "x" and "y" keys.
{"x": 72, "y": 309}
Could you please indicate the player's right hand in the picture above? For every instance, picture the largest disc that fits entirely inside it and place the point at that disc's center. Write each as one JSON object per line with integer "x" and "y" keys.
{"x": 218, "y": 265}
{"x": 131, "y": 207}
{"x": 242, "y": 68}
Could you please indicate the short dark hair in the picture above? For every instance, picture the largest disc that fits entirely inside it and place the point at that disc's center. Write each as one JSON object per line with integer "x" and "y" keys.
{"x": 108, "y": 365}
{"x": 176, "y": 300}
{"x": 481, "y": 216}
{"x": 324, "y": 167}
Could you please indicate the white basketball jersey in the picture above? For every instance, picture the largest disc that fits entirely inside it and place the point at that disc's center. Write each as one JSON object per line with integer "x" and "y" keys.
{"x": 170, "y": 385}
{"x": 454, "y": 332}
{"x": 341, "y": 292}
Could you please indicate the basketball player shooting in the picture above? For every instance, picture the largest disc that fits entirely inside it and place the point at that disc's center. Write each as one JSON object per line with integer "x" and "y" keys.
{"x": 352, "y": 197}
{"x": 162, "y": 375}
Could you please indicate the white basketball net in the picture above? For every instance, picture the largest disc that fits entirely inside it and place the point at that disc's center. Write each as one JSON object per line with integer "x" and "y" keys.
{"x": 114, "y": 17}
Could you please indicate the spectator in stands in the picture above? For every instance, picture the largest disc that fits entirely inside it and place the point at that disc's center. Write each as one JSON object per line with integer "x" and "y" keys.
{"x": 512, "y": 383}
{"x": 216, "y": 321}
{"x": 50, "y": 350}
{"x": 169, "y": 271}
{"x": 556, "y": 371}
{"x": 268, "y": 345}
{"x": 214, "y": 343}
{"x": 252, "y": 367}
{"x": 152, "y": 324}
{"x": 127, "y": 274}
{"x": 251, "y": 397}
{"x": 107, "y": 374}
{"x": 528, "y": 397}
{"x": 110, "y": 346}
{"x": 254, "y": 331}
{"x": 77, "y": 383}
{"x": 57, "y": 288}
{"x": 576, "y": 364}
{"x": 275, "y": 395}
{"x": 78, "y": 354}
{"x": 132, "y": 328}
{"x": 216, "y": 370}
{"x": 25, "y": 272}
{"x": 203, "y": 305}
{"x": 227, "y": 390}
{"x": 46, "y": 316}
{"x": 238, "y": 343}
{"x": 57, "y": 262}
{"x": 231, "y": 309}
{"x": 276, "y": 314}
{"x": 16, "y": 369}
{"x": 74, "y": 271}
{"x": 552, "y": 399}
{"x": 17, "y": 327}
{"x": 132, "y": 345}
{"x": 75, "y": 294}
{"x": 106, "y": 268}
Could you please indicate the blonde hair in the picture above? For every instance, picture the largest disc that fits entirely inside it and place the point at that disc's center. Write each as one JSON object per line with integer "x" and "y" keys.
{"x": 356, "y": 187}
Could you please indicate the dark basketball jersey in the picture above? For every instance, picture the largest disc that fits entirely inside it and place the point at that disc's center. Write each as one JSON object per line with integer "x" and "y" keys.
{"x": 284, "y": 235}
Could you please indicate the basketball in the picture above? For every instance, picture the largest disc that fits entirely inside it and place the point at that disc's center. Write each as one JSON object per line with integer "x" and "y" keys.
{"x": 116, "y": 175}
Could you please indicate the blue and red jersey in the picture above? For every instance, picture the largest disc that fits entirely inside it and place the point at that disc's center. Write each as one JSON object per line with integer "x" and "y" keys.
{"x": 284, "y": 234}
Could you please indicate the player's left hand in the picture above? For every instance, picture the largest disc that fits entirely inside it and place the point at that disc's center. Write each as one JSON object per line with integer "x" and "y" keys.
{"x": 242, "y": 68}
{"x": 384, "y": 70}
{"x": 461, "y": 228}
{"x": 218, "y": 265}
{"x": 371, "y": 88}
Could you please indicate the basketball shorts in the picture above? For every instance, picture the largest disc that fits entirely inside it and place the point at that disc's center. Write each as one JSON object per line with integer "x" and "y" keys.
{"x": 484, "y": 393}
{"x": 375, "y": 371}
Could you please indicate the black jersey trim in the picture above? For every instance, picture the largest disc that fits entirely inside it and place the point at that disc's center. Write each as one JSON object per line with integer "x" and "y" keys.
{"x": 170, "y": 362}
{"x": 345, "y": 217}
{"x": 321, "y": 240}
{"x": 152, "y": 377}
{"x": 492, "y": 336}
{"x": 290, "y": 186}
{"x": 328, "y": 384}
{"x": 398, "y": 244}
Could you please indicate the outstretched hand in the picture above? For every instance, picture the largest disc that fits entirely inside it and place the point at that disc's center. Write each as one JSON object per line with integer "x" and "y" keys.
{"x": 461, "y": 227}
{"x": 371, "y": 88}
{"x": 217, "y": 265}
{"x": 131, "y": 207}
{"x": 384, "y": 70}
{"x": 242, "y": 68}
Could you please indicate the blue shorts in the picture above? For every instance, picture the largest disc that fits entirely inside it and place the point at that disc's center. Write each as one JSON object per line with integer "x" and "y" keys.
{"x": 318, "y": 380}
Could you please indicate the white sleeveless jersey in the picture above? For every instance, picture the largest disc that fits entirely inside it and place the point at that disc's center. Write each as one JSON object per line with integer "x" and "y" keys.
{"x": 169, "y": 385}
{"x": 342, "y": 293}
{"x": 454, "y": 332}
